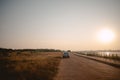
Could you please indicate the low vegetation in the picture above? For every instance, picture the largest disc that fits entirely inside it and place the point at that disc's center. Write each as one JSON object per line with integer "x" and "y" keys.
{"x": 29, "y": 65}
{"x": 103, "y": 55}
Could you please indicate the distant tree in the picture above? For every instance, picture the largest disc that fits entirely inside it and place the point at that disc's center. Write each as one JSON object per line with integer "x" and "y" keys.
{"x": 68, "y": 50}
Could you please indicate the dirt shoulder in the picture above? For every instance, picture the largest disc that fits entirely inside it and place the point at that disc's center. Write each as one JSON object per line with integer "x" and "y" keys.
{"x": 102, "y": 60}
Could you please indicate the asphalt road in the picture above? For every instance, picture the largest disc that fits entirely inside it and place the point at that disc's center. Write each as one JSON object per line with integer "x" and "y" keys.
{"x": 79, "y": 68}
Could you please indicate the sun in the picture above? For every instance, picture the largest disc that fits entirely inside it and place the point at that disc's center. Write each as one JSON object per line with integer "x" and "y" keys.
{"x": 106, "y": 36}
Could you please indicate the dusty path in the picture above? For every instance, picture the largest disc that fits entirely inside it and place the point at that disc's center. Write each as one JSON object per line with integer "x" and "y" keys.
{"x": 79, "y": 68}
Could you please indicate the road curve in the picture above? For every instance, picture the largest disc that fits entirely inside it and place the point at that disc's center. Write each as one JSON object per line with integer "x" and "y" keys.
{"x": 79, "y": 68}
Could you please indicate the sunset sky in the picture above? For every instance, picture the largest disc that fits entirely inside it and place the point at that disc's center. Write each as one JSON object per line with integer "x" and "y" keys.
{"x": 60, "y": 24}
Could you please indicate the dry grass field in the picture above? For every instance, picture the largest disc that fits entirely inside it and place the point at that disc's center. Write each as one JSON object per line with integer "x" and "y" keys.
{"x": 35, "y": 66}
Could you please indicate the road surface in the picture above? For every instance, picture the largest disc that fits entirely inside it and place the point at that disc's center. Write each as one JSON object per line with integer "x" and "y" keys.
{"x": 79, "y": 68}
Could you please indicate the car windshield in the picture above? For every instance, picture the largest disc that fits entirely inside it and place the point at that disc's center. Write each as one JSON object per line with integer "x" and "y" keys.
{"x": 65, "y": 52}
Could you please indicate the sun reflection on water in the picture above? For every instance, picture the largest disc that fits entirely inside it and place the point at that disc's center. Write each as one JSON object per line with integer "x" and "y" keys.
{"x": 107, "y": 53}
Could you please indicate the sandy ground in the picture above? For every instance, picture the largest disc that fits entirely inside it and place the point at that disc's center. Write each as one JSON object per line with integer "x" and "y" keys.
{"x": 79, "y": 68}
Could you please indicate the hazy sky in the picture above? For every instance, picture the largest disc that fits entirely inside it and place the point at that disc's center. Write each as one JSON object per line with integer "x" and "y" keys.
{"x": 58, "y": 24}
